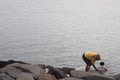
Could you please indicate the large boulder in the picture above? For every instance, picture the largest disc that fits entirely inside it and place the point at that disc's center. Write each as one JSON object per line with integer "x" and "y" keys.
{"x": 5, "y": 63}
{"x": 29, "y": 68}
{"x": 66, "y": 70}
{"x": 116, "y": 76}
{"x": 59, "y": 73}
{"x": 56, "y": 72}
{"x": 3, "y": 76}
{"x": 14, "y": 70}
{"x": 25, "y": 76}
{"x": 11, "y": 71}
{"x": 89, "y": 75}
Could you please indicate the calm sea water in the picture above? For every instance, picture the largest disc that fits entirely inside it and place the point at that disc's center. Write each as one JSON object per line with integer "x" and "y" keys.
{"x": 58, "y": 32}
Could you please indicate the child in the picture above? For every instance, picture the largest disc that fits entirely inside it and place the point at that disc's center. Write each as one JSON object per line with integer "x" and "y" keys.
{"x": 101, "y": 68}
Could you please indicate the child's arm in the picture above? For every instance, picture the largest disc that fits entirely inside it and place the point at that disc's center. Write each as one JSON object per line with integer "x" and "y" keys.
{"x": 105, "y": 69}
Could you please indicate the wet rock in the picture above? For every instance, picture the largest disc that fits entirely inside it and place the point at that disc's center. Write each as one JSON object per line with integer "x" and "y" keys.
{"x": 71, "y": 78}
{"x": 97, "y": 77}
{"x": 116, "y": 76}
{"x": 89, "y": 75}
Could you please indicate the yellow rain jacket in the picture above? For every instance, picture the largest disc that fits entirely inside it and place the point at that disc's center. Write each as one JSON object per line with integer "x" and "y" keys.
{"x": 90, "y": 56}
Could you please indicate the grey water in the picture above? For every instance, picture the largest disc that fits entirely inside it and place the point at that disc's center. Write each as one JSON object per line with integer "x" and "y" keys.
{"x": 58, "y": 32}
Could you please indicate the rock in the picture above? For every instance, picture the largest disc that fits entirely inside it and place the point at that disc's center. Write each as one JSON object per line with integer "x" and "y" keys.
{"x": 116, "y": 76}
{"x": 89, "y": 75}
{"x": 42, "y": 66}
{"x": 56, "y": 72}
{"x": 50, "y": 69}
{"x": 16, "y": 69}
{"x": 11, "y": 71}
{"x": 59, "y": 73}
{"x": 25, "y": 76}
{"x": 66, "y": 70}
{"x": 29, "y": 68}
{"x": 47, "y": 77}
{"x": 96, "y": 77}
{"x": 4, "y": 76}
{"x": 5, "y": 63}
{"x": 71, "y": 78}
{"x": 77, "y": 73}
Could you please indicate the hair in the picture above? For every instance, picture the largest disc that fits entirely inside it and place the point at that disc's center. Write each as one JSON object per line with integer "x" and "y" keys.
{"x": 98, "y": 57}
{"x": 102, "y": 63}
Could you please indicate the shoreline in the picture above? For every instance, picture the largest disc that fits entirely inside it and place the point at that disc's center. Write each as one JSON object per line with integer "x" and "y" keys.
{"x": 18, "y": 70}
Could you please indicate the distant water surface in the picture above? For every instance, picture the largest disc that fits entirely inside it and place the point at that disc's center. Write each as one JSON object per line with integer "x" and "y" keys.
{"x": 58, "y": 32}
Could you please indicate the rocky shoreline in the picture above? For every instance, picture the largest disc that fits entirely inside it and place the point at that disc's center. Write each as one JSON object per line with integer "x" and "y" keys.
{"x": 18, "y": 70}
